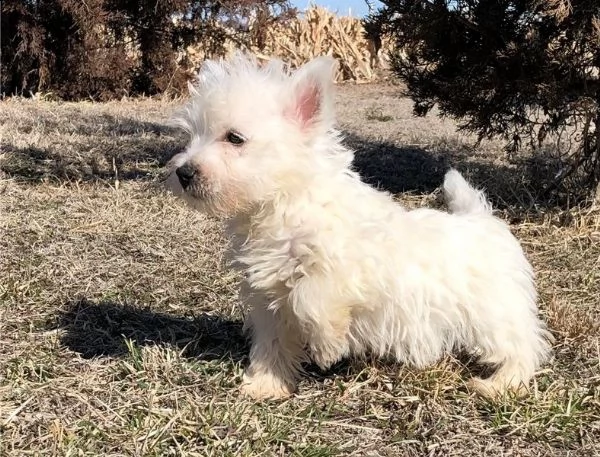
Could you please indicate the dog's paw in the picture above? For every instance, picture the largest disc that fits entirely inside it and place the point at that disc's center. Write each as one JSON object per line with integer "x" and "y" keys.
{"x": 266, "y": 386}
{"x": 324, "y": 360}
{"x": 493, "y": 389}
{"x": 326, "y": 356}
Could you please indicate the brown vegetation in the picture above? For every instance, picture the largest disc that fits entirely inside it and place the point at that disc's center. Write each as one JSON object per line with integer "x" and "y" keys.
{"x": 105, "y": 50}
{"x": 317, "y": 32}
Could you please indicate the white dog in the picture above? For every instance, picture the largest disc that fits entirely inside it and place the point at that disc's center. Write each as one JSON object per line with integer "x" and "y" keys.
{"x": 334, "y": 267}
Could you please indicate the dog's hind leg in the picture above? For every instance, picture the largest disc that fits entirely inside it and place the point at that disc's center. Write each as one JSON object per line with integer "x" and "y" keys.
{"x": 509, "y": 377}
{"x": 517, "y": 353}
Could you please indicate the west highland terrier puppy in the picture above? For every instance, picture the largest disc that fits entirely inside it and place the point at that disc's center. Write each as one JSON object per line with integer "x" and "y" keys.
{"x": 332, "y": 266}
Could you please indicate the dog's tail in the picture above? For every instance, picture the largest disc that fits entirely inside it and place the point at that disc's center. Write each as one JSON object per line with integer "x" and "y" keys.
{"x": 462, "y": 198}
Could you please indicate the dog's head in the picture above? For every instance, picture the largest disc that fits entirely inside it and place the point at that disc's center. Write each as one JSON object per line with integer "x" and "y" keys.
{"x": 255, "y": 131}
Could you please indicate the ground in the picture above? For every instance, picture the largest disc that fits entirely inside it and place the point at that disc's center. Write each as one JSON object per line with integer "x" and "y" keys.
{"x": 120, "y": 330}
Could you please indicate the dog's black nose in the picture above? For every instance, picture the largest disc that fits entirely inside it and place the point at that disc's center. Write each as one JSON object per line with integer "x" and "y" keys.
{"x": 185, "y": 173}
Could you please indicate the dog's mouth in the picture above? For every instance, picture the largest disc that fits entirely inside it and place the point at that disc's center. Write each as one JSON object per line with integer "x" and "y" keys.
{"x": 194, "y": 189}
{"x": 204, "y": 195}
{"x": 195, "y": 192}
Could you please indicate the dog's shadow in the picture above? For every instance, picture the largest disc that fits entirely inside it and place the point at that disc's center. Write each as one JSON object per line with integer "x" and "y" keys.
{"x": 103, "y": 330}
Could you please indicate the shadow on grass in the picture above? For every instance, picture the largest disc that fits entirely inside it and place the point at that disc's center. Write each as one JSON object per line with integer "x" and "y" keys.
{"x": 105, "y": 147}
{"x": 395, "y": 168}
{"x": 102, "y": 329}
{"x": 96, "y": 149}
{"x": 421, "y": 170}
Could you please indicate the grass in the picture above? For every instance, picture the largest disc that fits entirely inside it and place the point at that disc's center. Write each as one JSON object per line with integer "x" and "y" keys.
{"x": 375, "y": 113}
{"x": 120, "y": 332}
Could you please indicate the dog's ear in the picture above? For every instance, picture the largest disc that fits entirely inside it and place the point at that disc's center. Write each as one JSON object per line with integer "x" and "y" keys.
{"x": 312, "y": 95}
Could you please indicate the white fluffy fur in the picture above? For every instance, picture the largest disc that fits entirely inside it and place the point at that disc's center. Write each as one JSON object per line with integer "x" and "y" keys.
{"x": 334, "y": 267}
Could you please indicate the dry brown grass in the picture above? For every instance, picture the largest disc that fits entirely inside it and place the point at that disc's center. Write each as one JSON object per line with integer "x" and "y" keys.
{"x": 120, "y": 331}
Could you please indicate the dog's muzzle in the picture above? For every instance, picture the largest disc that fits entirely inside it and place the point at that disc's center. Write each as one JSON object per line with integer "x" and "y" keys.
{"x": 186, "y": 174}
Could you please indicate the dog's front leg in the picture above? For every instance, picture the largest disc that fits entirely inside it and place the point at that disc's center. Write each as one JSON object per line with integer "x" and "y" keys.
{"x": 275, "y": 355}
{"x": 327, "y": 326}
{"x": 328, "y": 341}
{"x": 324, "y": 318}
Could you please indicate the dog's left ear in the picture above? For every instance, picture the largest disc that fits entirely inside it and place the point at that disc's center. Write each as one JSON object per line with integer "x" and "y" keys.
{"x": 312, "y": 95}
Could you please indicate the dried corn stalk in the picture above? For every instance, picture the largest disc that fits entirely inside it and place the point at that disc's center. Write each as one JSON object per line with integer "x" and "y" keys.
{"x": 318, "y": 32}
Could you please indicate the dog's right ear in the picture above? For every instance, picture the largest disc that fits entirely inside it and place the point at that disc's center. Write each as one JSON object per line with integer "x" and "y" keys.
{"x": 311, "y": 104}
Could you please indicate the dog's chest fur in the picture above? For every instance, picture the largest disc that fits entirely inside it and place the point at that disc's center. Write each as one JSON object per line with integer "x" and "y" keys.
{"x": 273, "y": 257}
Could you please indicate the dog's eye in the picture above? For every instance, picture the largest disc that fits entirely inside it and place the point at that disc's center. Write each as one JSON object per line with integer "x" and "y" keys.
{"x": 235, "y": 138}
